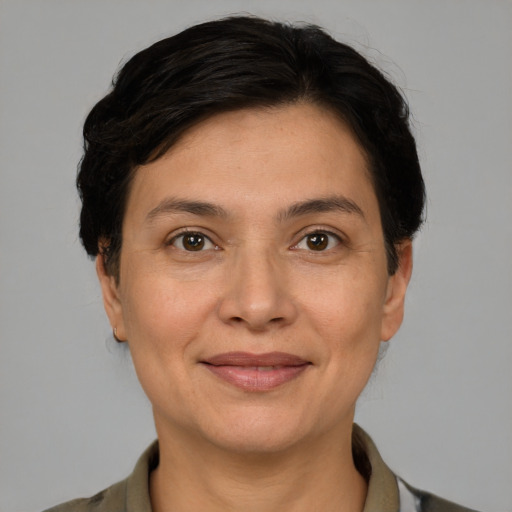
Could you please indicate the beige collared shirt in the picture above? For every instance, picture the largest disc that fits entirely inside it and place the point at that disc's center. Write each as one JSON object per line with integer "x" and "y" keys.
{"x": 386, "y": 492}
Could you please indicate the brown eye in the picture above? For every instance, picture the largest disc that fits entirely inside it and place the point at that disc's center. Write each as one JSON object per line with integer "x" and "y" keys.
{"x": 319, "y": 241}
{"x": 192, "y": 242}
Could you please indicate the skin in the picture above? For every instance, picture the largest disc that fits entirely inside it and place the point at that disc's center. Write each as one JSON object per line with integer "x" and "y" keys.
{"x": 257, "y": 285}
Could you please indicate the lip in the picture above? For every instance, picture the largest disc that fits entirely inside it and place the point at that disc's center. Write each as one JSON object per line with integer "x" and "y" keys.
{"x": 256, "y": 372}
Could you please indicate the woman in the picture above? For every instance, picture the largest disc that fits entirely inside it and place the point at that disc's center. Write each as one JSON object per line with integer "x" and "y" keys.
{"x": 250, "y": 192}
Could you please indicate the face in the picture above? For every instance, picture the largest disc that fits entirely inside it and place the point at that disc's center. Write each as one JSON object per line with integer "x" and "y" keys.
{"x": 253, "y": 286}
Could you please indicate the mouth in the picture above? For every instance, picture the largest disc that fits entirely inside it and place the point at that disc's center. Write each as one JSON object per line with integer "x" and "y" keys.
{"x": 256, "y": 372}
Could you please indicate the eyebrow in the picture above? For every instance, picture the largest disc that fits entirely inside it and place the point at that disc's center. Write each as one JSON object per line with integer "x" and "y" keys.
{"x": 204, "y": 209}
{"x": 322, "y": 205}
{"x": 174, "y": 205}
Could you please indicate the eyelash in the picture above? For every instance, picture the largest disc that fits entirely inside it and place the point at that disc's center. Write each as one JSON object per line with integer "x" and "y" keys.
{"x": 319, "y": 232}
{"x": 205, "y": 240}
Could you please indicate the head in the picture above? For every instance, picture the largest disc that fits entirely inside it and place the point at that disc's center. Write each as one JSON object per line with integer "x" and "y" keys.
{"x": 251, "y": 190}
{"x": 232, "y": 64}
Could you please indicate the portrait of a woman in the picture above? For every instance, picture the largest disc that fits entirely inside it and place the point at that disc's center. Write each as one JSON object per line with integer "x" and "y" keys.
{"x": 250, "y": 193}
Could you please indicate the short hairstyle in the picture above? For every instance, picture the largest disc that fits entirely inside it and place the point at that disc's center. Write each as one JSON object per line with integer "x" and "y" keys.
{"x": 236, "y": 63}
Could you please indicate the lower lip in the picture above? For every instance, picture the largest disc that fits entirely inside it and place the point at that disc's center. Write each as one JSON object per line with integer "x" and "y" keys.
{"x": 254, "y": 379}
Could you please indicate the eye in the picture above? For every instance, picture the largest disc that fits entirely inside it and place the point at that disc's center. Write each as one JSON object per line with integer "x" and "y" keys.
{"x": 192, "y": 241}
{"x": 319, "y": 241}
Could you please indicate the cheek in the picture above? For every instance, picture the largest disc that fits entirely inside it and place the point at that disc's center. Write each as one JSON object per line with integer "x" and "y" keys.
{"x": 162, "y": 312}
{"x": 348, "y": 319}
{"x": 163, "y": 319}
{"x": 347, "y": 308}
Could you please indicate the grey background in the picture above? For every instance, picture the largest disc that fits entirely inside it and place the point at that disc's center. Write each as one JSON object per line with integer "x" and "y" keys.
{"x": 73, "y": 419}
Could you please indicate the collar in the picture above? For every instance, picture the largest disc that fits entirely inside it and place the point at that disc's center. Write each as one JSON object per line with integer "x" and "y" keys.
{"x": 383, "y": 494}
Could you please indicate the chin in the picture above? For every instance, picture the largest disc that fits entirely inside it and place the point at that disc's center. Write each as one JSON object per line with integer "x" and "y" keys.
{"x": 256, "y": 441}
{"x": 258, "y": 432}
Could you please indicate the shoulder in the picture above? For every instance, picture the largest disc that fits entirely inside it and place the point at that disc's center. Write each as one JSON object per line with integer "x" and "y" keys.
{"x": 415, "y": 500}
{"x": 388, "y": 492}
{"x": 129, "y": 494}
{"x": 111, "y": 499}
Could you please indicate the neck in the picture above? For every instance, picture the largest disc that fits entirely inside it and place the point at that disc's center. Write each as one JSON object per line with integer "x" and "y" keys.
{"x": 318, "y": 475}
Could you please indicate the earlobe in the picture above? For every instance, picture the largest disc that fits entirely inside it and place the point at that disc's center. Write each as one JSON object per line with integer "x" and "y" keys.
{"x": 111, "y": 300}
{"x": 393, "y": 309}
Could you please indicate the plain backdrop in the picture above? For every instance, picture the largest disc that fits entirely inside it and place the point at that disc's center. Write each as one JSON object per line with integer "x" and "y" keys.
{"x": 73, "y": 419}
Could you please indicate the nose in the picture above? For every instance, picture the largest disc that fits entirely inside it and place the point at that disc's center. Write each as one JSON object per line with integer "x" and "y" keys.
{"x": 257, "y": 293}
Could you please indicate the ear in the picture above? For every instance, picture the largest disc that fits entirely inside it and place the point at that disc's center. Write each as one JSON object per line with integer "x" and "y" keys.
{"x": 393, "y": 309}
{"x": 111, "y": 300}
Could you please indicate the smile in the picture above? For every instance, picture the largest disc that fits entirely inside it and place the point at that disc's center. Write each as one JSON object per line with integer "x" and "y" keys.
{"x": 256, "y": 372}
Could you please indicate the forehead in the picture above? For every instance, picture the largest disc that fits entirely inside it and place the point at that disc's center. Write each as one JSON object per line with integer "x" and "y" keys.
{"x": 264, "y": 155}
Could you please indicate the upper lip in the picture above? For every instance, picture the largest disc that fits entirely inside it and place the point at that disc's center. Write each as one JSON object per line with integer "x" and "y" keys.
{"x": 248, "y": 359}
